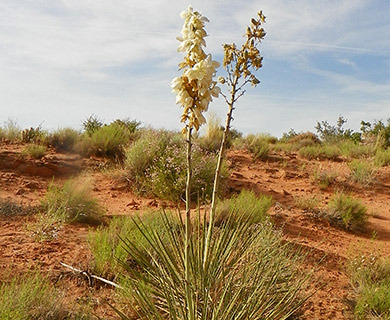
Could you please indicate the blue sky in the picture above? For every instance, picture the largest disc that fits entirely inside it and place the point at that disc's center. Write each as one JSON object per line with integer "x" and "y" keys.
{"x": 61, "y": 61}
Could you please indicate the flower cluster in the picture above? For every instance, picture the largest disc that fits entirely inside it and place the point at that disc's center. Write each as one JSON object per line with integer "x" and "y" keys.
{"x": 195, "y": 88}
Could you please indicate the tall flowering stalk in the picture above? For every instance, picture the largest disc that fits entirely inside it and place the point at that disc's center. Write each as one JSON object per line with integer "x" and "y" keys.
{"x": 239, "y": 65}
{"x": 194, "y": 90}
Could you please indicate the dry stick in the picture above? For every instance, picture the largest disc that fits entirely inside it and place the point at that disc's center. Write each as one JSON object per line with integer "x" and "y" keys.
{"x": 84, "y": 273}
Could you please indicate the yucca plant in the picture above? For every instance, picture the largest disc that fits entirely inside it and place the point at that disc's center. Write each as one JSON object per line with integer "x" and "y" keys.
{"x": 238, "y": 270}
{"x": 250, "y": 273}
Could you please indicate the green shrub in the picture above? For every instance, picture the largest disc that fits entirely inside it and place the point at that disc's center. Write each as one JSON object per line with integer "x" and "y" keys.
{"x": 362, "y": 172}
{"x": 382, "y": 158}
{"x": 370, "y": 276}
{"x": 251, "y": 274}
{"x": 72, "y": 202}
{"x": 246, "y": 204}
{"x": 63, "y": 139}
{"x": 336, "y": 133}
{"x": 33, "y": 297}
{"x": 348, "y": 212}
{"x": 35, "y": 151}
{"x": 92, "y": 124}
{"x": 156, "y": 163}
{"x": 107, "y": 248}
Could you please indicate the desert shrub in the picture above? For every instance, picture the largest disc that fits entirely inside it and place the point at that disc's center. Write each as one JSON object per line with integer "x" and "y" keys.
{"x": 33, "y": 297}
{"x": 336, "y": 133}
{"x": 107, "y": 141}
{"x": 9, "y": 209}
{"x": 260, "y": 278}
{"x": 34, "y": 135}
{"x": 362, "y": 172}
{"x": 10, "y": 130}
{"x": 296, "y": 141}
{"x": 92, "y": 124}
{"x": 246, "y": 204}
{"x": 259, "y": 145}
{"x": 325, "y": 152}
{"x": 307, "y": 203}
{"x": 63, "y": 139}
{"x": 370, "y": 276}
{"x": 131, "y": 126}
{"x": 156, "y": 163}
{"x": 310, "y": 152}
{"x": 324, "y": 178}
{"x": 354, "y": 150}
{"x": 382, "y": 158}
{"x": 106, "y": 245}
{"x": 283, "y": 147}
{"x": 305, "y": 137}
{"x": 379, "y": 131}
{"x": 35, "y": 151}
{"x": 72, "y": 202}
{"x": 347, "y": 211}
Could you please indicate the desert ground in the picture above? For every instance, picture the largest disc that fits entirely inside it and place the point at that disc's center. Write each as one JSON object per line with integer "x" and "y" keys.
{"x": 285, "y": 177}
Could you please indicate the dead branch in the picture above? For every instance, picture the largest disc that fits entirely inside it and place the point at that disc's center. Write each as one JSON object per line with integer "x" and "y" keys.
{"x": 89, "y": 276}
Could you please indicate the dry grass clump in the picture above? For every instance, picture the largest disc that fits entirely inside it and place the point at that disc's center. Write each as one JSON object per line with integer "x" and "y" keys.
{"x": 245, "y": 203}
{"x": 324, "y": 152}
{"x": 362, "y": 172}
{"x": 35, "y": 151}
{"x": 10, "y": 130}
{"x": 347, "y": 212}
{"x": 106, "y": 245}
{"x": 324, "y": 178}
{"x": 354, "y": 150}
{"x": 382, "y": 157}
{"x": 72, "y": 202}
{"x": 63, "y": 139}
{"x": 259, "y": 145}
{"x": 212, "y": 138}
{"x": 307, "y": 203}
{"x": 34, "y": 297}
{"x": 370, "y": 276}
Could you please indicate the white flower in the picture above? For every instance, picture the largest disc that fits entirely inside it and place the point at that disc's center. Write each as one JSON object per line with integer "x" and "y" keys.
{"x": 195, "y": 88}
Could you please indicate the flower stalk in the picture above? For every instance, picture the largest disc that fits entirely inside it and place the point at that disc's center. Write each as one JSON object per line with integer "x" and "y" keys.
{"x": 239, "y": 65}
{"x": 194, "y": 90}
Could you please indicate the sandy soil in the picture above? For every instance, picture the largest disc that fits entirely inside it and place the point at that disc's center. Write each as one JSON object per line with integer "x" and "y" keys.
{"x": 285, "y": 177}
